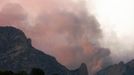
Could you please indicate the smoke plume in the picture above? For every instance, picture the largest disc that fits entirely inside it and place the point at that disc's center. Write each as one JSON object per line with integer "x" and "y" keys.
{"x": 60, "y": 28}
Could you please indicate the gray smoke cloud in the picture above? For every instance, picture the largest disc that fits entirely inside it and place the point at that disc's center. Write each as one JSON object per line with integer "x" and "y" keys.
{"x": 71, "y": 34}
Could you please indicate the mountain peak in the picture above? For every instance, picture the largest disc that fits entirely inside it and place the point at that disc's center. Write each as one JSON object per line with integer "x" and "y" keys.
{"x": 11, "y": 38}
{"x": 17, "y": 54}
{"x": 83, "y": 69}
{"x": 118, "y": 69}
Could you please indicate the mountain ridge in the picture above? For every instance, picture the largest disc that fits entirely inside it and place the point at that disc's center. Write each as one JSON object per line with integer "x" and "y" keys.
{"x": 17, "y": 54}
{"x": 118, "y": 69}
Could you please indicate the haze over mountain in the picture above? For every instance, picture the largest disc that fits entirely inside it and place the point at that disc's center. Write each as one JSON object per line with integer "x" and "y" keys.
{"x": 18, "y": 54}
{"x": 61, "y": 28}
{"x": 71, "y": 32}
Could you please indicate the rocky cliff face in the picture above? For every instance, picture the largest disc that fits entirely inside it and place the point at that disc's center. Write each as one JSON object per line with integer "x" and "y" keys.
{"x": 17, "y": 53}
{"x": 119, "y": 69}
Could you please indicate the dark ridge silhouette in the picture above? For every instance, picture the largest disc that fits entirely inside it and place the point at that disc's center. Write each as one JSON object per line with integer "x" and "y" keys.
{"x": 118, "y": 69}
{"x": 18, "y": 54}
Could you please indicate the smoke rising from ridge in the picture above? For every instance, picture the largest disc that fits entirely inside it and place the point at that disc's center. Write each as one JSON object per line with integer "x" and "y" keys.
{"x": 61, "y": 28}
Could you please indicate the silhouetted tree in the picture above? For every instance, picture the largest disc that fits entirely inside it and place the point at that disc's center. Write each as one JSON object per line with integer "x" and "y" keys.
{"x": 36, "y": 71}
{"x": 21, "y": 73}
{"x": 1, "y": 72}
{"x": 7, "y": 73}
{"x": 55, "y": 74}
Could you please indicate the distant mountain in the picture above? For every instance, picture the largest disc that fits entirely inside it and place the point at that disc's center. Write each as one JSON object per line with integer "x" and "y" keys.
{"x": 118, "y": 69}
{"x": 17, "y": 54}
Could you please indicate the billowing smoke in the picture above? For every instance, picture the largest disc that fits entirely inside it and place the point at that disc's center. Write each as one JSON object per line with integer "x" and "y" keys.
{"x": 60, "y": 28}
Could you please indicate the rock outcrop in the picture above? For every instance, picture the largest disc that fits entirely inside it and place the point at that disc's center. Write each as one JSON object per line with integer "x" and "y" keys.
{"x": 80, "y": 71}
{"x": 17, "y": 54}
{"x": 118, "y": 69}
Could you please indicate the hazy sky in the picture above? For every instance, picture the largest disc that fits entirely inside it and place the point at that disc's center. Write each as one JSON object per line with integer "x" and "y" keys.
{"x": 117, "y": 21}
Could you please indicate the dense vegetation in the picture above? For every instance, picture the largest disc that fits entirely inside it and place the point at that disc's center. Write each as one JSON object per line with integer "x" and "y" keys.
{"x": 34, "y": 71}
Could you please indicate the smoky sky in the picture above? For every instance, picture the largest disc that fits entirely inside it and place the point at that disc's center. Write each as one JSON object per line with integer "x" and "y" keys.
{"x": 63, "y": 29}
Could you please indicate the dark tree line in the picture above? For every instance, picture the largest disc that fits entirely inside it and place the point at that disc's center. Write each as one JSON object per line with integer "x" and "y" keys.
{"x": 34, "y": 71}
